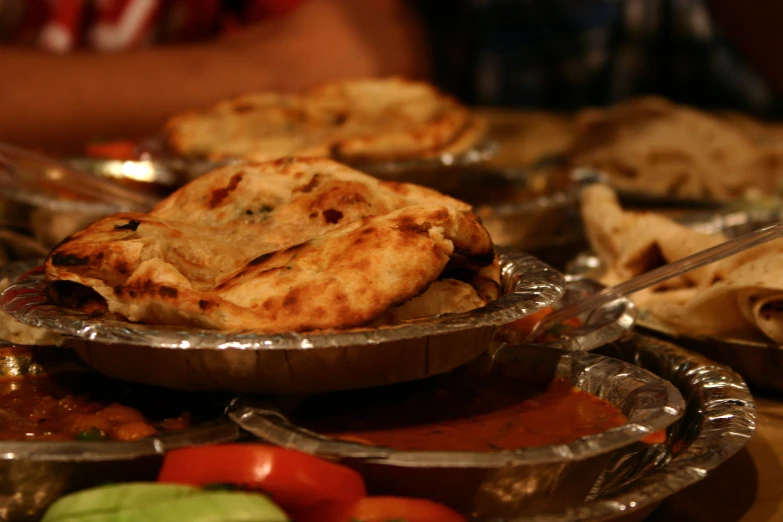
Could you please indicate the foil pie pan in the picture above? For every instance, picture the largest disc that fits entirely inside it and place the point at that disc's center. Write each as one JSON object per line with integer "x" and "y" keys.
{"x": 33, "y": 474}
{"x": 503, "y": 483}
{"x": 197, "y": 359}
{"x": 159, "y": 168}
{"x": 759, "y": 362}
{"x": 48, "y": 200}
{"x": 597, "y": 328}
{"x": 719, "y": 419}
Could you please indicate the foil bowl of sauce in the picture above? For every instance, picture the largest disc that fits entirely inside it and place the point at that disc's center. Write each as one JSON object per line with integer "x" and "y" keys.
{"x": 522, "y": 430}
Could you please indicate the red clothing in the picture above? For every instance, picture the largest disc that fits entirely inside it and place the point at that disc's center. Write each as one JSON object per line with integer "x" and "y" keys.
{"x": 114, "y": 25}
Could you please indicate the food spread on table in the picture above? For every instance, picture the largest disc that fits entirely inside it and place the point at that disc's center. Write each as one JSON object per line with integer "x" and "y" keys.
{"x": 288, "y": 241}
{"x": 740, "y": 296}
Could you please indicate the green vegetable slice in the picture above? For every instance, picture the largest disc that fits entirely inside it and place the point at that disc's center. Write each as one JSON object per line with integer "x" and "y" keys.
{"x": 182, "y": 503}
{"x": 114, "y": 497}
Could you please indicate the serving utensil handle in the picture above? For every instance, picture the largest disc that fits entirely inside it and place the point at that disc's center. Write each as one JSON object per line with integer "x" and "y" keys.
{"x": 660, "y": 274}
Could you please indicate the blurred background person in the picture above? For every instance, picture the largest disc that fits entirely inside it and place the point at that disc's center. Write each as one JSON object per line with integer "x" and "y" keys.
{"x": 565, "y": 54}
{"x": 75, "y": 70}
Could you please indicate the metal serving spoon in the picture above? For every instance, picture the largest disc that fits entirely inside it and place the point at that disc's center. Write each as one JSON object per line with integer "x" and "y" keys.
{"x": 658, "y": 275}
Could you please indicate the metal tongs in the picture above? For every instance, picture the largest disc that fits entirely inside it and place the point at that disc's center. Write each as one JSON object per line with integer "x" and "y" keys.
{"x": 658, "y": 275}
{"x": 32, "y": 178}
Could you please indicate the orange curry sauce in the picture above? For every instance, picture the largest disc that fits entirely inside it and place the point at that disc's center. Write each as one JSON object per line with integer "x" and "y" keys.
{"x": 61, "y": 408}
{"x": 485, "y": 419}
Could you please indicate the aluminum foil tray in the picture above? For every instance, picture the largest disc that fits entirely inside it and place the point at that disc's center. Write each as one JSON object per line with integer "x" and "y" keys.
{"x": 197, "y": 359}
{"x": 33, "y": 474}
{"x": 719, "y": 419}
{"x": 759, "y": 362}
{"x": 504, "y": 483}
{"x": 599, "y": 327}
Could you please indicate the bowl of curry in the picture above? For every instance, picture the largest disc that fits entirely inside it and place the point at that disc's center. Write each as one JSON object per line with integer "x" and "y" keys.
{"x": 64, "y": 427}
{"x": 515, "y": 432}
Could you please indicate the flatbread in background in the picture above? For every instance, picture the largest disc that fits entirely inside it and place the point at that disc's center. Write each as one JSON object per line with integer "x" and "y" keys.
{"x": 291, "y": 245}
{"x": 653, "y": 146}
{"x": 761, "y": 132}
{"x": 739, "y": 296}
{"x": 526, "y": 137}
{"x": 354, "y": 121}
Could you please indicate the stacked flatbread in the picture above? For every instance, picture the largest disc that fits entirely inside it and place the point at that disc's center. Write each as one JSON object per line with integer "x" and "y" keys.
{"x": 651, "y": 145}
{"x": 741, "y": 296}
{"x": 290, "y": 245}
{"x": 354, "y": 121}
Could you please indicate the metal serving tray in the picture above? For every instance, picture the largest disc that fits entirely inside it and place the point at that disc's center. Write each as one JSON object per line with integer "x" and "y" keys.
{"x": 504, "y": 483}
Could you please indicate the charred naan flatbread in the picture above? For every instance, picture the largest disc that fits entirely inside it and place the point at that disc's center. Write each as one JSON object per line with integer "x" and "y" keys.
{"x": 359, "y": 120}
{"x": 651, "y": 145}
{"x": 739, "y": 296}
{"x": 292, "y": 245}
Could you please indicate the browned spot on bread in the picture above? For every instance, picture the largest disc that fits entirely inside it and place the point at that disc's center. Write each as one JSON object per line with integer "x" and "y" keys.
{"x": 118, "y": 290}
{"x": 60, "y": 259}
{"x": 206, "y": 305}
{"x": 292, "y": 300}
{"x": 340, "y": 118}
{"x": 309, "y": 186}
{"x": 132, "y": 225}
{"x": 220, "y": 194}
{"x": 167, "y": 291}
{"x": 399, "y": 188}
{"x": 313, "y": 215}
{"x": 332, "y": 216}
{"x": 408, "y": 224}
{"x": 121, "y": 266}
{"x": 241, "y": 108}
{"x": 262, "y": 258}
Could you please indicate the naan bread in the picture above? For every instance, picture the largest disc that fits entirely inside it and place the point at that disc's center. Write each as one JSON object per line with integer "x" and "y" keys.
{"x": 291, "y": 245}
{"x": 359, "y": 120}
{"x": 651, "y": 145}
{"x": 739, "y": 296}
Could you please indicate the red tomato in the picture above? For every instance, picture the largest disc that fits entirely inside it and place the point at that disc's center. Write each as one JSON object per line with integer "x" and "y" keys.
{"x": 387, "y": 509}
{"x": 120, "y": 150}
{"x": 295, "y": 481}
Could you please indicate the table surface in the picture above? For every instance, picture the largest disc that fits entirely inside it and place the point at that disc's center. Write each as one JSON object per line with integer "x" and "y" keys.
{"x": 746, "y": 488}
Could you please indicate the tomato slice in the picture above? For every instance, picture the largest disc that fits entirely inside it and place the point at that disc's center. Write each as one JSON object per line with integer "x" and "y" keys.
{"x": 119, "y": 150}
{"x": 388, "y": 509}
{"x": 295, "y": 481}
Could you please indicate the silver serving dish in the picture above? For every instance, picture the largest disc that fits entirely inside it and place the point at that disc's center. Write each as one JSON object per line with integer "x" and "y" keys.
{"x": 603, "y": 326}
{"x": 545, "y": 215}
{"x": 33, "y": 474}
{"x": 504, "y": 483}
{"x": 719, "y": 419}
{"x": 443, "y": 164}
{"x": 196, "y": 359}
{"x": 49, "y": 200}
{"x": 761, "y": 363}
{"x": 161, "y": 169}
{"x": 168, "y": 173}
